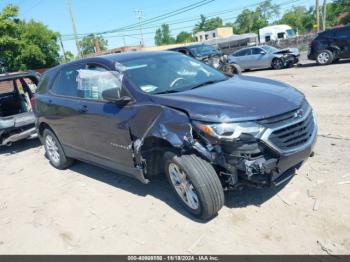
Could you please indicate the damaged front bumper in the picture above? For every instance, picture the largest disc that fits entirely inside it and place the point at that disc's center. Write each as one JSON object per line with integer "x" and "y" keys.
{"x": 273, "y": 158}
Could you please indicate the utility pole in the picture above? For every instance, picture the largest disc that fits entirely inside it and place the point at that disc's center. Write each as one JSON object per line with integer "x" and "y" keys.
{"x": 318, "y": 15}
{"x": 139, "y": 15}
{"x": 74, "y": 27}
{"x": 97, "y": 45}
{"x": 64, "y": 52}
{"x": 324, "y": 14}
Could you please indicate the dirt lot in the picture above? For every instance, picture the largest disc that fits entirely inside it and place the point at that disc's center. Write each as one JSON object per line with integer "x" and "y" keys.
{"x": 86, "y": 209}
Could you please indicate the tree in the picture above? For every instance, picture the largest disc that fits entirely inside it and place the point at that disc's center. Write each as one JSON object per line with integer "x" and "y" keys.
{"x": 163, "y": 36}
{"x": 184, "y": 37}
{"x": 207, "y": 24}
{"x": 338, "y": 12}
{"x": 25, "y": 45}
{"x": 299, "y": 18}
{"x": 200, "y": 25}
{"x": 89, "y": 42}
{"x": 66, "y": 57}
{"x": 251, "y": 21}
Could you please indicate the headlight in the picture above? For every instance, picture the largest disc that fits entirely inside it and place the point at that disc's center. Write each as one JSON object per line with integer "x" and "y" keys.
{"x": 230, "y": 130}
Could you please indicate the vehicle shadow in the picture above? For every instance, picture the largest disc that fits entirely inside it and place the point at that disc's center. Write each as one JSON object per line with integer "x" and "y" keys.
{"x": 250, "y": 196}
{"x": 314, "y": 64}
{"x": 20, "y": 146}
{"x": 160, "y": 189}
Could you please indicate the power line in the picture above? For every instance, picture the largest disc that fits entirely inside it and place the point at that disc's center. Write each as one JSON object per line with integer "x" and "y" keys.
{"x": 157, "y": 18}
{"x": 67, "y": 37}
{"x": 208, "y": 15}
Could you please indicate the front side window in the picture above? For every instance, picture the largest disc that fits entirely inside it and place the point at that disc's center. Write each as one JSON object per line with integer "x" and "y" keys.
{"x": 94, "y": 79}
{"x": 168, "y": 73}
{"x": 256, "y": 51}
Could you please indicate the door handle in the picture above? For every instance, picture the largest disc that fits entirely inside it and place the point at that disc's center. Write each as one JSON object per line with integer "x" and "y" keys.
{"x": 83, "y": 109}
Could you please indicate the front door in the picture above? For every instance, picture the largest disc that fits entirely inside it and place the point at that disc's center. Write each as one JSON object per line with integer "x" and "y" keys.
{"x": 105, "y": 124}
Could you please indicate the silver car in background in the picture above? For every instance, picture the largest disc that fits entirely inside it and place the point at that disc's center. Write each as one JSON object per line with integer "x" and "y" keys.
{"x": 265, "y": 56}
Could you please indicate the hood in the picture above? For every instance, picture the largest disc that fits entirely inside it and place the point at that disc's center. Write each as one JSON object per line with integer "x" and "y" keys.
{"x": 241, "y": 98}
{"x": 294, "y": 51}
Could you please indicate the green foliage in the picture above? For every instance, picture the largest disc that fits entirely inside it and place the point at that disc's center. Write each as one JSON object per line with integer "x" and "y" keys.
{"x": 163, "y": 36}
{"x": 184, "y": 37}
{"x": 68, "y": 56}
{"x": 335, "y": 10}
{"x": 250, "y": 21}
{"x": 25, "y": 45}
{"x": 207, "y": 24}
{"x": 299, "y": 18}
{"x": 87, "y": 44}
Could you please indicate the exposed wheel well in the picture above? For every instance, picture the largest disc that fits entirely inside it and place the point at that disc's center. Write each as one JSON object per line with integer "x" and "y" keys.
{"x": 42, "y": 127}
{"x": 152, "y": 151}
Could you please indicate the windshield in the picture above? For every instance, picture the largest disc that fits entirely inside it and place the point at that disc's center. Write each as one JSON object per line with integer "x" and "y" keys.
{"x": 269, "y": 49}
{"x": 168, "y": 73}
{"x": 203, "y": 50}
{"x": 291, "y": 32}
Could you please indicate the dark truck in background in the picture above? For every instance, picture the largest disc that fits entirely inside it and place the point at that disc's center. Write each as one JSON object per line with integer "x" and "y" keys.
{"x": 144, "y": 114}
{"x": 330, "y": 46}
{"x": 17, "y": 120}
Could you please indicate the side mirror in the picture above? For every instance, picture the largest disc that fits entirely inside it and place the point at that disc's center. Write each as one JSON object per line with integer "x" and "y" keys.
{"x": 112, "y": 95}
{"x": 262, "y": 52}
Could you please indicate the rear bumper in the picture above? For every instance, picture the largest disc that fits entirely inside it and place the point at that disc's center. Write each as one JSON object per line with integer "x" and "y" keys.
{"x": 19, "y": 136}
{"x": 17, "y": 127}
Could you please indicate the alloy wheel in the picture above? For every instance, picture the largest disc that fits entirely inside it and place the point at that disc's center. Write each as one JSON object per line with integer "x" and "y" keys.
{"x": 52, "y": 149}
{"x": 323, "y": 58}
{"x": 183, "y": 186}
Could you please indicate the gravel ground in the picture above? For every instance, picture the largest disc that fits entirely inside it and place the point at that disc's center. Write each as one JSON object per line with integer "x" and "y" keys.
{"x": 88, "y": 210}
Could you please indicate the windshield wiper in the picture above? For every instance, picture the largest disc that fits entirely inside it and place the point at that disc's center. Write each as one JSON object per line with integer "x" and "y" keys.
{"x": 207, "y": 83}
{"x": 168, "y": 92}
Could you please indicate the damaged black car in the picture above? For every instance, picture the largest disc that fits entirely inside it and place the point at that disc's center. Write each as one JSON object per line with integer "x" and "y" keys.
{"x": 145, "y": 114}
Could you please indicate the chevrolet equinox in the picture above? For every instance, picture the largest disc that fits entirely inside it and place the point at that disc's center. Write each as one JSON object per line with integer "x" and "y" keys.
{"x": 148, "y": 113}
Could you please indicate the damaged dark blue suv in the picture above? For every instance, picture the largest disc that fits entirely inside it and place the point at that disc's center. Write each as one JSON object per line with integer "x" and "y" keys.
{"x": 148, "y": 113}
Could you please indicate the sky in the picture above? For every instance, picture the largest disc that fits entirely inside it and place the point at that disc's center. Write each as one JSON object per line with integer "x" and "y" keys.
{"x": 93, "y": 16}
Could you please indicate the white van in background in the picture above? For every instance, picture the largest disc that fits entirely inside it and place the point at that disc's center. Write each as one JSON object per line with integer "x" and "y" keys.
{"x": 275, "y": 32}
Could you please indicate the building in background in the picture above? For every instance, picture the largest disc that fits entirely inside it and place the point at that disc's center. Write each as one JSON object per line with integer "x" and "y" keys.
{"x": 219, "y": 32}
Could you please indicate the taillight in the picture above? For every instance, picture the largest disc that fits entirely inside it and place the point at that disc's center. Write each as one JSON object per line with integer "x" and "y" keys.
{"x": 32, "y": 102}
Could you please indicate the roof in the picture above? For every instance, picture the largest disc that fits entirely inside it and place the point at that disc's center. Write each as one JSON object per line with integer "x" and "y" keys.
{"x": 120, "y": 57}
{"x": 9, "y": 76}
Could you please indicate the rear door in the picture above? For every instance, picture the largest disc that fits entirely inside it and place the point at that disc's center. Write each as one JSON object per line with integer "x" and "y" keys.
{"x": 242, "y": 58}
{"x": 63, "y": 110}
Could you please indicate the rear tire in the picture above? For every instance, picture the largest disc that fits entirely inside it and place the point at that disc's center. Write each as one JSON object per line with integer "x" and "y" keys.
{"x": 54, "y": 151}
{"x": 325, "y": 57}
{"x": 196, "y": 184}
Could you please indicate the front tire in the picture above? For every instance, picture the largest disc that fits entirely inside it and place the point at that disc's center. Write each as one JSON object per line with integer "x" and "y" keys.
{"x": 195, "y": 183}
{"x": 325, "y": 57}
{"x": 54, "y": 151}
{"x": 277, "y": 64}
